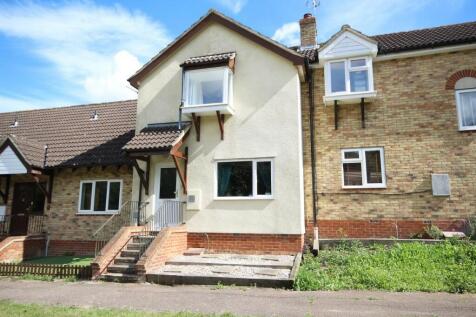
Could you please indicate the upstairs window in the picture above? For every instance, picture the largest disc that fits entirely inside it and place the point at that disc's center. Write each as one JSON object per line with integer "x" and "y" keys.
{"x": 363, "y": 168}
{"x": 349, "y": 76}
{"x": 207, "y": 86}
{"x": 466, "y": 106}
{"x": 101, "y": 196}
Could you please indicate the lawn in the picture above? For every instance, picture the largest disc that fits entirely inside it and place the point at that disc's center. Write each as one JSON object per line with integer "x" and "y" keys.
{"x": 8, "y": 309}
{"x": 445, "y": 267}
{"x": 64, "y": 260}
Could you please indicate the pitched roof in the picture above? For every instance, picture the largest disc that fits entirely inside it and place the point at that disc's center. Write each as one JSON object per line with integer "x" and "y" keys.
{"x": 33, "y": 152}
{"x": 208, "y": 59}
{"x": 215, "y": 16}
{"x": 72, "y": 137}
{"x": 426, "y": 38}
{"x": 157, "y": 138}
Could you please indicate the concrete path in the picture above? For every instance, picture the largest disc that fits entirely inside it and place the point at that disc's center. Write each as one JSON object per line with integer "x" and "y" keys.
{"x": 240, "y": 301}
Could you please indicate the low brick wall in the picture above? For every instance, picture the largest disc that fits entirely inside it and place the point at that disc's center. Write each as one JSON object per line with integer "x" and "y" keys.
{"x": 19, "y": 248}
{"x": 247, "y": 243}
{"x": 169, "y": 242}
{"x": 109, "y": 251}
{"x": 385, "y": 228}
{"x": 71, "y": 247}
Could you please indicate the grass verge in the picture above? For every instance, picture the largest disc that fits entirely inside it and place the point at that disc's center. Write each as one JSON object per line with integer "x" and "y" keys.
{"x": 444, "y": 267}
{"x": 9, "y": 309}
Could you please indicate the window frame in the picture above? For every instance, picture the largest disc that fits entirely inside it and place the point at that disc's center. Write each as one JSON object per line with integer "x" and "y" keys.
{"x": 227, "y": 86}
{"x": 459, "y": 110}
{"x": 348, "y": 69}
{"x": 362, "y": 161}
{"x": 91, "y": 211}
{"x": 254, "y": 165}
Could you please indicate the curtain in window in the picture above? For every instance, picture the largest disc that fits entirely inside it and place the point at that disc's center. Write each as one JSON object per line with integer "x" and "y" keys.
{"x": 468, "y": 109}
{"x": 264, "y": 178}
{"x": 196, "y": 93}
{"x": 224, "y": 174}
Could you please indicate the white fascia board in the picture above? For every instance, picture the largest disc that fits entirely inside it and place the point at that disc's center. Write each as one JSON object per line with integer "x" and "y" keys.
{"x": 370, "y": 47}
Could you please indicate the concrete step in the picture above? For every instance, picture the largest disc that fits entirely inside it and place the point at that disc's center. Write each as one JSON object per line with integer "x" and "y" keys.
{"x": 125, "y": 260}
{"x": 120, "y": 278}
{"x": 122, "y": 268}
{"x": 130, "y": 253}
{"x": 136, "y": 246}
{"x": 194, "y": 251}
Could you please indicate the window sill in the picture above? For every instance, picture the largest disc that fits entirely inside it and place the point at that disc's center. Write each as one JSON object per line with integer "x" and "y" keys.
{"x": 365, "y": 187}
{"x": 209, "y": 109}
{"x": 243, "y": 198}
{"x": 92, "y": 213}
{"x": 353, "y": 97}
{"x": 466, "y": 129}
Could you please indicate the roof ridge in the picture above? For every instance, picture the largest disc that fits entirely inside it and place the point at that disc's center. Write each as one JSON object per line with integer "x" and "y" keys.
{"x": 424, "y": 29}
{"x": 73, "y": 106}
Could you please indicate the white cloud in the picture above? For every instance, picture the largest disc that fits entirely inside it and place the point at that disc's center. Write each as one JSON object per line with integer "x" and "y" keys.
{"x": 94, "y": 49}
{"x": 288, "y": 34}
{"x": 234, "y": 6}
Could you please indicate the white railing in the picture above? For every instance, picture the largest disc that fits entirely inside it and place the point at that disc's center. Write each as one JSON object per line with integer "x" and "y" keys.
{"x": 169, "y": 214}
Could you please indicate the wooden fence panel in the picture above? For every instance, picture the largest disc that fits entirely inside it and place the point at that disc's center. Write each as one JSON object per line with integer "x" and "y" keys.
{"x": 55, "y": 270}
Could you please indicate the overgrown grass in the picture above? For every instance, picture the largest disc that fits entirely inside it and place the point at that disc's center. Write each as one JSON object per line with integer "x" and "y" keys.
{"x": 446, "y": 267}
{"x": 64, "y": 260}
{"x": 8, "y": 309}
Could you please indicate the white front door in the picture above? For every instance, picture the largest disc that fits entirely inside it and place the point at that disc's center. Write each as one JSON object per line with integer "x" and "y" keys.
{"x": 167, "y": 204}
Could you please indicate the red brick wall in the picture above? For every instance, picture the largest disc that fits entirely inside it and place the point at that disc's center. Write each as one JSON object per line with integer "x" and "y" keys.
{"x": 170, "y": 242}
{"x": 71, "y": 247}
{"x": 383, "y": 228}
{"x": 247, "y": 243}
{"x": 18, "y": 248}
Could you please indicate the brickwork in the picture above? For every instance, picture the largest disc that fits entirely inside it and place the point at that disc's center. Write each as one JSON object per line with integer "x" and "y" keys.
{"x": 170, "y": 242}
{"x": 414, "y": 119}
{"x": 247, "y": 243}
{"x": 19, "y": 248}
{"x": 71, "y": 247}
{"x": 63, "y": 221}
{"x": 308, "y": 30}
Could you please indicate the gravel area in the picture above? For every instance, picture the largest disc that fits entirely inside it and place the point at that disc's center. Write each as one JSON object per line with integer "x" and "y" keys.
{"x": 237, "y": 259}
{"x": 225, "y": 271}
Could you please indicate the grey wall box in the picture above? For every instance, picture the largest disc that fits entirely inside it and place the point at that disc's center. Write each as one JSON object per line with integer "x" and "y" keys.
{"x": 440, "y": 184}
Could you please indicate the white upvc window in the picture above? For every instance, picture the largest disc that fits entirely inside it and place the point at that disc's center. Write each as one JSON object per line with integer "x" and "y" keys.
{"x": 100, "y": 196}
{"x": 363, "y": 168}
{"x": 466, "y": 108}
{"x": 244, "y": 179}
{"x": 349, "y": 76}
{"x": 208, "y": 86}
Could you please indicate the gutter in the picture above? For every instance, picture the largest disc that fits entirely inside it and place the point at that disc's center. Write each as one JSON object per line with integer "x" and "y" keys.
{"x": 310, "y": 80}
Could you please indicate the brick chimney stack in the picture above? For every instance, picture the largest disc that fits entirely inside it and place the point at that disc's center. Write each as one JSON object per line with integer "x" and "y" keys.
{"x": 308, "y": 31}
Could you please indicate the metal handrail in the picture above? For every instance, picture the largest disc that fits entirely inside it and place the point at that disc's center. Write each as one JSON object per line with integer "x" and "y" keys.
{"x": 129, "y": 215}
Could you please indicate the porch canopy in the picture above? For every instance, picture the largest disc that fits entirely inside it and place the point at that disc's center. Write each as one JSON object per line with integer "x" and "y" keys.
{"x": 19, "y": 155}
{"x": 160, "y": 139}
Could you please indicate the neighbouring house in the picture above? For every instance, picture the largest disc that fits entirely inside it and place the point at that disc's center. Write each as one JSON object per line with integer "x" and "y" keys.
{"x": 393, "y": 145}
{"x": 62, "y": 172}
{"x": 237, "y": 143}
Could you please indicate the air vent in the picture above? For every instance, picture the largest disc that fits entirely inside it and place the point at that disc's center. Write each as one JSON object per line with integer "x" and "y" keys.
{"x": 94, "y": 116}
{"x": 14, "y": 123}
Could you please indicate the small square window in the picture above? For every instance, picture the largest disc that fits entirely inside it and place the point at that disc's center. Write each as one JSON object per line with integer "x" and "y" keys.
{"x": 349, "y": 76}
{"x": 363, "y": 168}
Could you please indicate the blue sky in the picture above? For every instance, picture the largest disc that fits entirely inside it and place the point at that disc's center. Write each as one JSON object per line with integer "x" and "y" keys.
{"x": 55, "y": 53}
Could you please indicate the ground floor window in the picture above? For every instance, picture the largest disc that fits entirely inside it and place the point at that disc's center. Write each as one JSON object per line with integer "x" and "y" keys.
{"x": 363, "y": 168}
{"x": 100, "y": 196}
{"x": 244, "y": 179}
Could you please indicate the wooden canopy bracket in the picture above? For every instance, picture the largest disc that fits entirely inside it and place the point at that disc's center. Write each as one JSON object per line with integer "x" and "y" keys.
{"x": 5, "y": 193}
{"x": 196, "y": 123}
{"x": 221, "y": 122}
{"x": 176, "y": 155}
{"x": 143, "y": 175}
{"x": 362, "y": 112}
{"x": 45, "y": 190}
{"x": 336, "y": 115}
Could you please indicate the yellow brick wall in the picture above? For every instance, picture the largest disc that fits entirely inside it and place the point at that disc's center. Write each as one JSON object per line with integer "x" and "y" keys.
{"x": 414, "y": 118}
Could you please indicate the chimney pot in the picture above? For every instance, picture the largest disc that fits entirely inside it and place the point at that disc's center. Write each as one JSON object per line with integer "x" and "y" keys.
{"x": 308, "y": 31}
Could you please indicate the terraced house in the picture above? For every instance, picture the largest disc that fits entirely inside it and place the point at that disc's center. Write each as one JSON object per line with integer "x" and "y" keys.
{"x": 239, "y": 144}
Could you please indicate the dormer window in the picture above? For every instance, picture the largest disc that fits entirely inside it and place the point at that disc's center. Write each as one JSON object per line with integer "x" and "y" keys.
{"x": 349, "y": 76}
{"x": 207, "y": 86}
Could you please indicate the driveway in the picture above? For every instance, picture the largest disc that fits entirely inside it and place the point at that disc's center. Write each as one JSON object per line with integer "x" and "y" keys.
{"x": 240, "y": 301}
